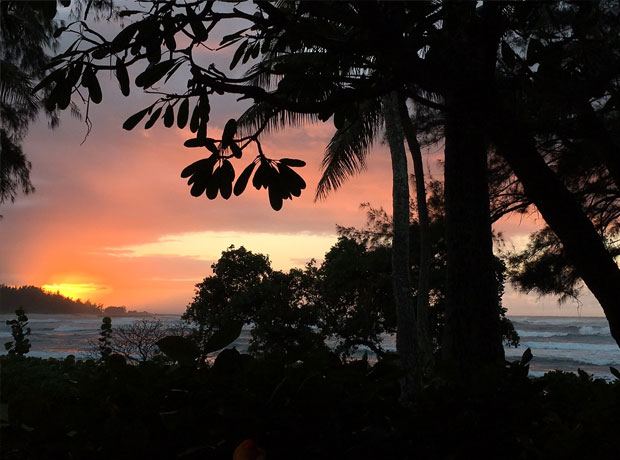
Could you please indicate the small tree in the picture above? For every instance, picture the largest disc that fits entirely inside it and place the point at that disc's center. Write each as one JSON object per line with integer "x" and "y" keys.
{"x": 138, "y": 341}
{"x": 105, "y": 339}
{"x": 19, "y": 330}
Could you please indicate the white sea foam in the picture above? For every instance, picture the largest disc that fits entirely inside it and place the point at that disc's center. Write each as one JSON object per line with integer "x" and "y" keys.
{"x": 541, "y": 334}
{"x": 594, "y": 330}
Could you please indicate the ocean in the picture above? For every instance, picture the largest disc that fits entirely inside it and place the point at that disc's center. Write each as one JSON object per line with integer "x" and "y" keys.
{"x": 557, "y": 343}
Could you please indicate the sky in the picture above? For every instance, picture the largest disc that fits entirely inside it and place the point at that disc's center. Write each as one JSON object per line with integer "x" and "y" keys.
{"x": 112, "y": 221}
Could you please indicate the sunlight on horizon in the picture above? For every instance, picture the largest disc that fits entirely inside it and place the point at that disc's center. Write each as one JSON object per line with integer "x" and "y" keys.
{"x": 73, "y": 291}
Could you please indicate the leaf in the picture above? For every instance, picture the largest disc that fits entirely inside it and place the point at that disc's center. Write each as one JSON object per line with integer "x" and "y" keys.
{"x": 234, "y": 36}
{"x": 183, "y": 113}
{"x": 94, "y": 90}
{"x": 170, "y": 42}
{"x": 236, "y": 150}
{"x": 101, "y": 52}
{"x": 169, "y": 116}
{"x": 226, "y": 334}
{"x": 154, "y": 73}
{"x": 198, "y": 29}
{"x": 226, "y": 178}
{"x": 180, "y": 349}
{"x": 242, "y": 181}
{"x": 527, "y": 357}
{"x": 259, "y": 178}
{"x": 151, "y": 121}
{"x": 339, "y": 120}
{"x": 52, "y": 77}
{"x": 199, "y": 165}
{"x": 615, "y": 372}
{"x": 293, "y": 162}
{"x": 123, "y": 38}
{"x": 295, "y": 182}
{"x": 255, "y": 50}
{"x": 153, "y": 50}
{"x": 238, "y": 54}
{"x": 59, "y": 31}
{"x": 122, "y": 76}
{"x": 74, "y": 74}
{"x": 133, "y": 120}
{"x": 508, "y": 56}
{"x": 213, "y": 185}
{"x": 230, "y": 129}
{"x": 194, "y": 123}
{"x": 275, "y": 197}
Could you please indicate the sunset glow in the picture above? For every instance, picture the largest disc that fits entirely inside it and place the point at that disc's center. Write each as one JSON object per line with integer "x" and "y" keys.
{"x": 73, "y": 291}
{"x": 114, "y": 210}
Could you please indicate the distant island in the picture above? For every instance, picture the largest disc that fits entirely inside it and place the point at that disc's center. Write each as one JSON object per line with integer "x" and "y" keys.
{"x": 33, "y": 299}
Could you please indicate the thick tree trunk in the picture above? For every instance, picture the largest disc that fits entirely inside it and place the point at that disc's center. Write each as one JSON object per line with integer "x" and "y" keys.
{"x": 405, "y": 327}
{"x": 425, "y": 348}
{"x": 583, "y": 245}
{"x": 472, "y": 336}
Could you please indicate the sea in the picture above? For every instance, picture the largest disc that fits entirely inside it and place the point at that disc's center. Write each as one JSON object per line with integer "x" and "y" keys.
{"x": 557, "y": 343}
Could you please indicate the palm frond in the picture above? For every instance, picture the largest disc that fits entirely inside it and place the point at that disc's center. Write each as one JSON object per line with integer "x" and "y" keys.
{"x": 263, "y": 114}
{"x": 346, "y": 153}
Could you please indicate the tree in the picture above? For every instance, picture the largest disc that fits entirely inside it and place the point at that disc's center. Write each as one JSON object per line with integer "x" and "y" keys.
{"x": 565, "y": 154}
{"x": 19, "y": 330}
{"x": 26, "y": 31}
{"x": 447, "y": 49}
{"x": 286, "y": 318}
{"x": 227, "y": 299}
{"x": 356, "y": 296}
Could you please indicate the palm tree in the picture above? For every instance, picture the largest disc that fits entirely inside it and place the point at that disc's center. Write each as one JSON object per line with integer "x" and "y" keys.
{"x": 345, "y": 156}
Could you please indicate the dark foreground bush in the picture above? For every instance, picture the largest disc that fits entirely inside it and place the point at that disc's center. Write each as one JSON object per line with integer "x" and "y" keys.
{"x": 313, "y": 410}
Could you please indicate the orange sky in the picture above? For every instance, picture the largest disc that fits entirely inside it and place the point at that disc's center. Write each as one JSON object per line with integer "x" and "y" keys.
{"x": 113, "y": 219}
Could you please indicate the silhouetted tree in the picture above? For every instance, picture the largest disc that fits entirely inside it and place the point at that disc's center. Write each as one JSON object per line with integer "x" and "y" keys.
{"x": 447, "y": 48}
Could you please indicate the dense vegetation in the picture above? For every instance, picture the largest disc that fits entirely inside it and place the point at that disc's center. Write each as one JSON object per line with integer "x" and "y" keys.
{"x": 525, "y": 97}
{"x": 320, "y": 408}
{"x": 35, "y": 300}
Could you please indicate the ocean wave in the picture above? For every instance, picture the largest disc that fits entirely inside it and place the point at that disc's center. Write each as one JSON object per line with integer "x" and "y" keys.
{"x": 569, "y": 346}
{"x": 594, "y": 330}
{"x": 541, "y": 334}
{"x": 44, "y": 320}
{"x": 74, "y": 328}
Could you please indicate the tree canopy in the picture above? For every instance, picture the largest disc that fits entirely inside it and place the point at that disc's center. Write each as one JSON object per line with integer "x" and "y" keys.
{"x": 532, "y": 86}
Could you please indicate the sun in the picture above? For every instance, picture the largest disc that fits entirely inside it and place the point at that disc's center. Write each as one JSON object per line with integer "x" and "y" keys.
{"x": 72, "y": 290}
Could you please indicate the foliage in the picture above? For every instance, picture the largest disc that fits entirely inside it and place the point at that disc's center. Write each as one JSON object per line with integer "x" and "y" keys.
{"x": 320, "y": 409}
{"x": 19, "y": 330}
{"x": 105, "y": 339}
{"x": 286, "y": 319}
{"x": 543, "y": 267}
{"x": 228, "y": 295}
{"x": 357, "y": 304}
{"x": 245, "y": 290}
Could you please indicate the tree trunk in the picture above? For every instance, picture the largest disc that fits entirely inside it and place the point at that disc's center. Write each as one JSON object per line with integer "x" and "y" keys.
{"x": 472, "y": 337}
{"x": 583, "y": 245}
{"x": 425, "y": 348}
{"x": 405, "y": 326}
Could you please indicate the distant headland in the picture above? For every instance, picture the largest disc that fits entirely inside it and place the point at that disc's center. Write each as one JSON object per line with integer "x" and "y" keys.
{"x": 33, "y": 299}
